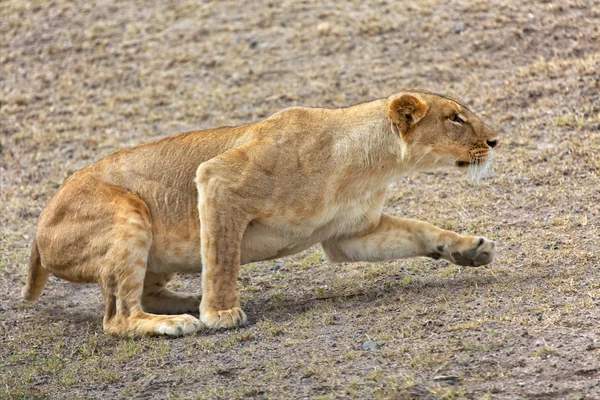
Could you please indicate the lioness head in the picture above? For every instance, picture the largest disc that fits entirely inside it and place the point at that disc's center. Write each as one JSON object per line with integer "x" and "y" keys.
{"x": 437, "y": 131}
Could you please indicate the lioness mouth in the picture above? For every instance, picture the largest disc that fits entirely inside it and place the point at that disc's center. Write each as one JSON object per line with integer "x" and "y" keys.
{"x": 477, "y": 161}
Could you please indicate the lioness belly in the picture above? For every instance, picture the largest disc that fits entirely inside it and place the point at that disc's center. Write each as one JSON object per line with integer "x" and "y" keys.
{"x": 262, "y": 242}
{"x": 175, "y": 254}
{"x": 181, "y": 253}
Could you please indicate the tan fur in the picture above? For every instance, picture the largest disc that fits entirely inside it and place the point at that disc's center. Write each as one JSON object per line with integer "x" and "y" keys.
{"x": 208, "y": 201}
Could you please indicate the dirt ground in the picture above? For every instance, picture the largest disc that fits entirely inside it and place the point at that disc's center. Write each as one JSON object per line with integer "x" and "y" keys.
{"x": 80, "y": 81}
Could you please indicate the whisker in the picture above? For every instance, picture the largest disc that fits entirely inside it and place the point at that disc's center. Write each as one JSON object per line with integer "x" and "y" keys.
{"x": 417, "y": 163}
{"x": 478, "y": 169}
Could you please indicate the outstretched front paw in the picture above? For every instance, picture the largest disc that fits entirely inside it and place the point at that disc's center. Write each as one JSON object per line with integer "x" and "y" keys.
{"x": 469, "y": 251}
{"x": 223, "y": 319}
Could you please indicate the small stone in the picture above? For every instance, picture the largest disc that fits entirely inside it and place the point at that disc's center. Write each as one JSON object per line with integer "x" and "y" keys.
{"x": 458, "y": 28}
{"x": 1, "y": 309}
{"x": 275, "y": 268}
{"x": 521, "y": 384}
{"x": 528, "y": 30}
{"x": 369, "y": 345}
{"x": 324, "y": 28}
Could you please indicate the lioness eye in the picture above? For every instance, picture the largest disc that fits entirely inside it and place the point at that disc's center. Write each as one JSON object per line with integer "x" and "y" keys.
{"x": 456, "y": 118}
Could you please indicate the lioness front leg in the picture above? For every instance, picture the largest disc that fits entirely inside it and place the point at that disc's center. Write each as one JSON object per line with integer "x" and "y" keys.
{"x": 222, "y": 225}
{"x": 397, "y": 238}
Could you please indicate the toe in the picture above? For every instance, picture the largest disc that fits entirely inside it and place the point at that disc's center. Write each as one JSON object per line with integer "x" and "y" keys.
{"x": 224, "y": 319}
{"x": 470, "y": 253}
{"x": 481, "y": 253}
{"x": 459, "y": 259}
{"x": 191, "y": 325}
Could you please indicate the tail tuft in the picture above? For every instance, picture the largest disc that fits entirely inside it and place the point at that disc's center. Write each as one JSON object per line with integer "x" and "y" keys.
{"x": 37, "y": 277}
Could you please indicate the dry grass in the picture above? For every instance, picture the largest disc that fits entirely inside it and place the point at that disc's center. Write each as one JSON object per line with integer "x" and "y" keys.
{"x": 80, "y": 81}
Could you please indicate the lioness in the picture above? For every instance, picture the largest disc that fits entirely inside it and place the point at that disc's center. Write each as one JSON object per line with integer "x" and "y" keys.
{"x": 208, "y": 201}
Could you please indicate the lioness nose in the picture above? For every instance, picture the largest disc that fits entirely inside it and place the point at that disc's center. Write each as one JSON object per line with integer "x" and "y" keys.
{"x": 492, "y": 143}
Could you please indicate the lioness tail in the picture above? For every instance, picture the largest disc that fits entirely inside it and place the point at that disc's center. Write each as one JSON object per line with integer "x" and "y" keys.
{"x": 37, "y": 277}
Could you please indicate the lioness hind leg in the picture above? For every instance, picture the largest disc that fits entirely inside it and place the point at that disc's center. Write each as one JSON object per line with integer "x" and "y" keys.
{"x": 123, "y": 274}
{"x": 158, "y": 299}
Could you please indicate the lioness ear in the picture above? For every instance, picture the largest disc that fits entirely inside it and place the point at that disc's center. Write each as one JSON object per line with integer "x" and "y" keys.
{"x": 406, "y": 110}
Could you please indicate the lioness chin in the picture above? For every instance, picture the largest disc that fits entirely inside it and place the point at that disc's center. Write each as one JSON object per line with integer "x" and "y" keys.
{"x": 208, "y": 201}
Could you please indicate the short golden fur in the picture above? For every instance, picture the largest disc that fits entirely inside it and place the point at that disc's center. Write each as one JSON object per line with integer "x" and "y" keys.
{"x": 208, "y": 201}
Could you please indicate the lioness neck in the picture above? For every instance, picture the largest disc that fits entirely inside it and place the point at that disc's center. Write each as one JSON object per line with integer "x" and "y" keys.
{"x": 365, "y": 140}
